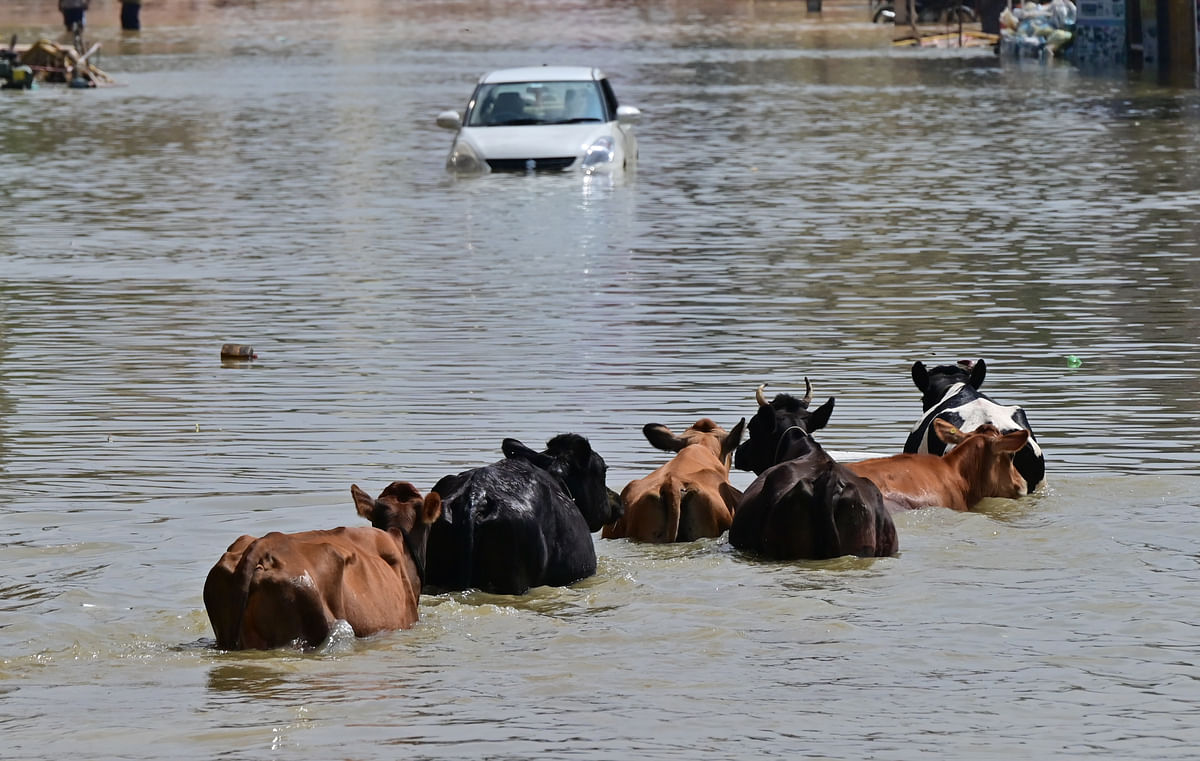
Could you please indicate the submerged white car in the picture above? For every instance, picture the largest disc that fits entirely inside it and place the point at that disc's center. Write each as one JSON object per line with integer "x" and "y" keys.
{"x": 542, "y": 119}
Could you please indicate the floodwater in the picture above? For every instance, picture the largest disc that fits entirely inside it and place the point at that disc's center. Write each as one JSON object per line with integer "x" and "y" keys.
{"x": 809, "y": 202}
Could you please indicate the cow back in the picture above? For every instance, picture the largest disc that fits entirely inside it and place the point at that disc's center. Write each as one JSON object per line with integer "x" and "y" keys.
{"x": 980, "y": 465}
{"x": 812, "y": 507}
{"x": 685, "y": 499}
{"x": 292, "y": 588}
{"x": 507, "y": 527}
{"x": 910, "y": 481}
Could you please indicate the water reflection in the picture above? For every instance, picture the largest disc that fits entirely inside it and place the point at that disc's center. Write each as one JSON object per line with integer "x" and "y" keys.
{"x": 289, "y": 677}
{"x": 7, "y": 406}
{"x": 251, "y": 681}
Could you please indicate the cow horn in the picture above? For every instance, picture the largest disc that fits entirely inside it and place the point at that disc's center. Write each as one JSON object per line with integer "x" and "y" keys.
{"x": 807, "y": 393}
{"x": 758, "y": 396}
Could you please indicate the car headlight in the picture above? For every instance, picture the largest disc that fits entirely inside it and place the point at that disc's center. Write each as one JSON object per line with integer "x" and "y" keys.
{"x": 598, "y": 156}
{"x": 464, "y": 160}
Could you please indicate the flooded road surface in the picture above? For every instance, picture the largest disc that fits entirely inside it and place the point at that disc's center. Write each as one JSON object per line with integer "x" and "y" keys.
{"x": 809, "y": 202}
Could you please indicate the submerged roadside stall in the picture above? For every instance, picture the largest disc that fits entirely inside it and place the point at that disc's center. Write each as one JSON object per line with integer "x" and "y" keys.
{"x": 1154, "y": 35}
{"x": 938, "y": 24}
{"x": 1028, "y": 29}
{"x": 1160, "y": 36}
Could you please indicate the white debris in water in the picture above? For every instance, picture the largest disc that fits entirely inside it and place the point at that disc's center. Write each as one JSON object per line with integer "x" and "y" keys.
{"x": 340, "y": 639}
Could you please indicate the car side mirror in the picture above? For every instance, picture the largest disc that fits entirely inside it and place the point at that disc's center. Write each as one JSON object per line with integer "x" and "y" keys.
{"x": 628, "y": 114}
{"x": 451, "y": 120}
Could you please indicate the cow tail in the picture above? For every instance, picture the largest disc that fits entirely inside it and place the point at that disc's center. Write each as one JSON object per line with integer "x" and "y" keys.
{"x": 243, "y": 578}
{"x": 826, "y": 537}
{"x": 670, "y": 495}
{"x": 466, "y": 540}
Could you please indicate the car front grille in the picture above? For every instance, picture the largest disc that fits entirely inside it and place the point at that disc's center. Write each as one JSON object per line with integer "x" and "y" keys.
{"x": 526, "y": 165}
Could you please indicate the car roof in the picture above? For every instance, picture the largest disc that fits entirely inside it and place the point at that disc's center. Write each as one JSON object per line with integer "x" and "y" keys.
{"x": 543, "y": 74}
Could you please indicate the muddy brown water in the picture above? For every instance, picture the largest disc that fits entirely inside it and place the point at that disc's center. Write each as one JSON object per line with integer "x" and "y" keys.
{"x": 809, "y": 202}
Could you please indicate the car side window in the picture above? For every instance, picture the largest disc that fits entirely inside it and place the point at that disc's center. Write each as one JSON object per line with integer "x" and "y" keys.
{"x": 479, "y": 105}
{"x": 610, "y": 99}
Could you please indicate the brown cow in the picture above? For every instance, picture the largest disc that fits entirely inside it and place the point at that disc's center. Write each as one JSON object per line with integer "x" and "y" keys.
{"x": 689, "y": 497}
{"x": 979, "y": 466}
{"x": 287, "y": 589}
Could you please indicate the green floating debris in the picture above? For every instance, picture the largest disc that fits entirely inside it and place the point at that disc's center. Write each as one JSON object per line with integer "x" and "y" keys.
{"x": 1073, "y": 361}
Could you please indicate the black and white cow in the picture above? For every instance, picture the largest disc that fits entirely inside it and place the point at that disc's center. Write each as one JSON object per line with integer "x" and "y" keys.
{"x": 951, "y": 393}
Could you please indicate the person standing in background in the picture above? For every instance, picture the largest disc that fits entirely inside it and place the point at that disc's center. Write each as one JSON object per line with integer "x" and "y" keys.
{"x": 72, "y": 13}
{"x": 129, "y": 14}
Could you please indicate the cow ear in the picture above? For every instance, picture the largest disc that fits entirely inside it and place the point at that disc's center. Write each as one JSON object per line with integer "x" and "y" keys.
{"x": 947, "y": 432}
{"x": 732, "y": 439}
{"x": 515, "y": 450}
{"x": 660, "y": 437}
{"x": 1012, "y": 442}
{"x": 920, "y": 376}
{"x": 977, "y": 372}
{"x": 363, "y": 502}
{"x": 432, "y": 507}
{"x": 820, "y": 416}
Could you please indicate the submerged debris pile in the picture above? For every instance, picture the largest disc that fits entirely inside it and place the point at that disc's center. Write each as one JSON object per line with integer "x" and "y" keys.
{"x": 47, "y": 61}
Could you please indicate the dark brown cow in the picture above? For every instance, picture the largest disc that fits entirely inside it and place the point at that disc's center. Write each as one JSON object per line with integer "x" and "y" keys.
{"x": 812, "y": 507}
{"x": 979, "y": 466}
{"x": 288, "y": 589}
{"x": 689, "y": 497}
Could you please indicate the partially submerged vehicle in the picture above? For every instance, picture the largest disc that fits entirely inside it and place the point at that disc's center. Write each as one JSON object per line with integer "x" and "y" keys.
{"x": 542, "y": 119}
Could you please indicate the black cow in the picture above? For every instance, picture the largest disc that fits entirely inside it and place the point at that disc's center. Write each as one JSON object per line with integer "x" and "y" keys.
{"x": 951, "y": 392}
{"x": 772, "y": 420}
{"x": 811, "y": 506}
{"x": 522, "y": 522}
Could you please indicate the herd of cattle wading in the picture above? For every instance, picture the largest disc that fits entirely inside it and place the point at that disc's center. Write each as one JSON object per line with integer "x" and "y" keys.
{"x": 528, "y": 519}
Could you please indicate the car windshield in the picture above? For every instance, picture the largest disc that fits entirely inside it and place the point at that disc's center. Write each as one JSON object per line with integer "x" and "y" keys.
{"x": 511, "y": 103}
